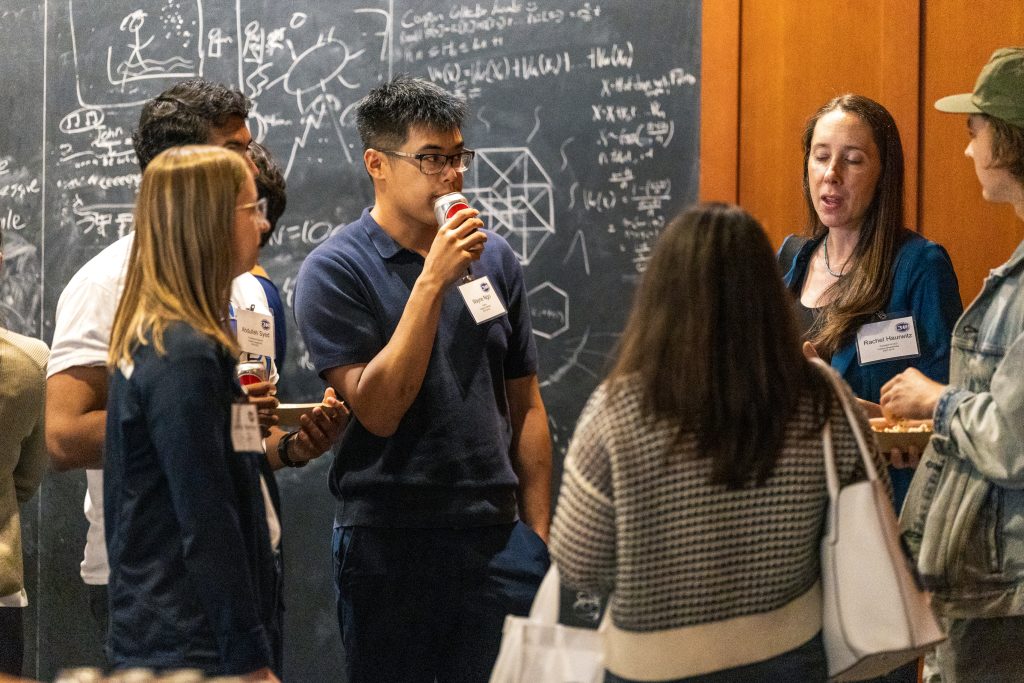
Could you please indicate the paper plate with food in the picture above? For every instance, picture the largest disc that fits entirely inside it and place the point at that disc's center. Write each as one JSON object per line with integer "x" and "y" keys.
{"x": 289, "y": 413}
{"x": 901, "y": 434}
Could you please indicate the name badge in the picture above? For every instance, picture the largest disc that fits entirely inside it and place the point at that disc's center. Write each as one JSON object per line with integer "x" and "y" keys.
{"x": 245, "y": 429}
{"x": 482, "y": 299}
{"x": 255, "y": 332}
{"x": 887, "y": 340}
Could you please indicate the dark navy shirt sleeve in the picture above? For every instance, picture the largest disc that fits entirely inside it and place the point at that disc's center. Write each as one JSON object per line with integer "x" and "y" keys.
{"x": 334, "y": 313}
{"x": 188, "y": 416}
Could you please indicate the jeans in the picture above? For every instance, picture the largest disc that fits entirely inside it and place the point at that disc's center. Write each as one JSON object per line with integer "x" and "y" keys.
{"x": 429, "y": 604}
{"x": 805, "y": 664}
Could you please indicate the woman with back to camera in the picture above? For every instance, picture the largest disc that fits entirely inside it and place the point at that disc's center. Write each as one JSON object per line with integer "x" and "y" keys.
{"x": 694, "y": 486}
{"x": 191, "y": 569}
{"x": 862, "y": 275}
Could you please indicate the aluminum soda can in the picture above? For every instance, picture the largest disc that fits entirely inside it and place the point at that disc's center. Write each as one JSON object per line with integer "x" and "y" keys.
{"x": 251, "y": 372}
{"x": 448, "y": 205}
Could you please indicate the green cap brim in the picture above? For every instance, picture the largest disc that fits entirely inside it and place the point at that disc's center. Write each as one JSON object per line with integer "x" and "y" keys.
{"x": 958, "y": 104}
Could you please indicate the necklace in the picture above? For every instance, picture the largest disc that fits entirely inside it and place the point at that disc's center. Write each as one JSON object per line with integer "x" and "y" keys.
{"x": 827, "y": 266}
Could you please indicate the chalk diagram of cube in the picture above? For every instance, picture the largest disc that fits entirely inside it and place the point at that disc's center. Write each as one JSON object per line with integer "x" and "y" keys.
{"x": 513, "y": 190}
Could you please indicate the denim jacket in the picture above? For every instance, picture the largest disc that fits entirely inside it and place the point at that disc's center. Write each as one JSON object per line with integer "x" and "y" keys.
{"x": 964, "y": 514}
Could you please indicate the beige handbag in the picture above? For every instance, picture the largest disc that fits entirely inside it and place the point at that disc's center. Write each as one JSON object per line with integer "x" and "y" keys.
{"x": 875, "y": 615}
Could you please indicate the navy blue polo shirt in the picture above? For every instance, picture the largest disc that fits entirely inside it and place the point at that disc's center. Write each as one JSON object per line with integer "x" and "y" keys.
{"x": 449, "y": 462}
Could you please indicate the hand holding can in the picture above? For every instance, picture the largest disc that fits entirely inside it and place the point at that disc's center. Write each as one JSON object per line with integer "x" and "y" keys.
{"x": 251, "y": 372}
{"x": 447, "y": 206}
{"x": 253, "y": 377}
{"x": 463, "y": 240}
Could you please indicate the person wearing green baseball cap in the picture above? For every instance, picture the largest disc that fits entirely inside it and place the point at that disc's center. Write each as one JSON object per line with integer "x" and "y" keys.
{"x": 998, "y": 91}
{"x": 962, "y": 517}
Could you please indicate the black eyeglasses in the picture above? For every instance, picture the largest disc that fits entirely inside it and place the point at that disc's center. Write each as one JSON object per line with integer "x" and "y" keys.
{"x": 432, "y": 164}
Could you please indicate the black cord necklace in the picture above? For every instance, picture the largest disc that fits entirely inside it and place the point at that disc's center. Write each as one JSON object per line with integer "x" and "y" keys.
{"x": 827, "y": 266}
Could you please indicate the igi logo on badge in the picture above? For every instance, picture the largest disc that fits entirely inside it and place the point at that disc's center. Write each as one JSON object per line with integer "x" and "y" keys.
{"x": 902, "y": 327}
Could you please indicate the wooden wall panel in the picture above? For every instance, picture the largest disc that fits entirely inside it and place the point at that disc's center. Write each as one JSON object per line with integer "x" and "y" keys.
{"x": 795, "y": 56}
{"x": 792, "y": 56}
{"x": 719, "y": 100}
{"x": 959, "y": 38}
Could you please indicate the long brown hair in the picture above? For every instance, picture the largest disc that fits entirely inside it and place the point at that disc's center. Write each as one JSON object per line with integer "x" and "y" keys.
{"x": 712, "y": 340}
{"x": 180, "y": 268}
{"x": 865, "y": 289}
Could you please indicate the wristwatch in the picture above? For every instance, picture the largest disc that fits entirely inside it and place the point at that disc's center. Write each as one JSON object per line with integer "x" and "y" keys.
{"x": 282, "y": 451}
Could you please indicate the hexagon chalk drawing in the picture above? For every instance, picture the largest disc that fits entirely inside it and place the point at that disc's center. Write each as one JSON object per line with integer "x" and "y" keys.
{"x": 510, "y": 186}
{"x": 549, "y": 310}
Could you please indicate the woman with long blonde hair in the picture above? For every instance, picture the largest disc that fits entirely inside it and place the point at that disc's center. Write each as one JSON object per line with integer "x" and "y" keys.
{"x": 191, "y": 569}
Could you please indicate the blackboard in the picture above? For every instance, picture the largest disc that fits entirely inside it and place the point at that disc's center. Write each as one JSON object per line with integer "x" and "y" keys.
{"x": 584, "y": 116}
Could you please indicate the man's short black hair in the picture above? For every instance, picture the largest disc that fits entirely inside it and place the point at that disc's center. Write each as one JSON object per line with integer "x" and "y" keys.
{"x": 184, "y": 114}
{"x": 386, "y": 114}
{"x": 270, "y": 184}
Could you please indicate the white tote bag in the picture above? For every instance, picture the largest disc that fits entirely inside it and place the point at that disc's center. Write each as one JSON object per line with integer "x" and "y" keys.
{"x": 537, "y": 649}
{"x": 875, "y": 616}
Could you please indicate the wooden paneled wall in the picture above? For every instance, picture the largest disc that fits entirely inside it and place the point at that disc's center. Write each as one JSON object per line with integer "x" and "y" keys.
{"x": 769, "y": 64}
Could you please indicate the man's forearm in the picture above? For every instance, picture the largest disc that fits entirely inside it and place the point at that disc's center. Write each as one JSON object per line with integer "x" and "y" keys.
{"x": 532, "y": 463}
{"x": 382, "y": 391}
{"x": 535, "y": 499}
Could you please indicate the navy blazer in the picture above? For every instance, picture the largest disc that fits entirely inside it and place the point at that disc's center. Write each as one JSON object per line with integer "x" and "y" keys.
{"x": 924, "y": 286}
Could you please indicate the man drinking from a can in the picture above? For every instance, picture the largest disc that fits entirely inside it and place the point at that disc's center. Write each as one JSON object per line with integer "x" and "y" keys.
{"x": 420, "y": 322}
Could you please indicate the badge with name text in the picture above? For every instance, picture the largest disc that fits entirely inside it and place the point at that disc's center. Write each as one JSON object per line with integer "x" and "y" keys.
{"x": 887, "y": 340}
{"x": 255, "y": 332}
{"x": 482, "y": 300}
{"x": 245, "y": 429}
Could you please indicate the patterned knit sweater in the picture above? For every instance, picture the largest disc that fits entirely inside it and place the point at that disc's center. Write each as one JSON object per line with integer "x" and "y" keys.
{"x": 637, "y": 514}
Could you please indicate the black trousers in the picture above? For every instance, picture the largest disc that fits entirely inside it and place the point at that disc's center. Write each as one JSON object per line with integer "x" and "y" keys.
{"x": 12, "y": 640}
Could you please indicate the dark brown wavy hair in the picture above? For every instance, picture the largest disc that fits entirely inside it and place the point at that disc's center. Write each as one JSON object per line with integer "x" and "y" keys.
{"x": 1007, "y": 146}
{"x": 867, "y": 285}
{"x": 713, "y": 342}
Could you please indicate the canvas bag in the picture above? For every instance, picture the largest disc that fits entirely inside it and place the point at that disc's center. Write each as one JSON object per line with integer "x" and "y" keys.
{"x": 875, "y": 615}
{"x": 537, "y": 649}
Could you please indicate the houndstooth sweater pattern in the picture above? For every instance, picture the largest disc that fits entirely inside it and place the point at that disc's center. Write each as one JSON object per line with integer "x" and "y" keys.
{"x": 637, "y": 514}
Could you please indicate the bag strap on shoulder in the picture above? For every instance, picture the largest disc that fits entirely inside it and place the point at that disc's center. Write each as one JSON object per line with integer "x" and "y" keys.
{"x": 840, "y": 392}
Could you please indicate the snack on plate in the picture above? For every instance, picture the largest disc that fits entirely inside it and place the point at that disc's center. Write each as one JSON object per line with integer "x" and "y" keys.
{"x": 901, "y": 435}
{"x": 904, "y": 426}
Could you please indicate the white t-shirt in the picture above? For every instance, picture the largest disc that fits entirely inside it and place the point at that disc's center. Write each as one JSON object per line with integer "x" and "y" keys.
{"x": 81, "y": 337}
